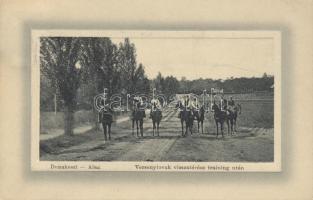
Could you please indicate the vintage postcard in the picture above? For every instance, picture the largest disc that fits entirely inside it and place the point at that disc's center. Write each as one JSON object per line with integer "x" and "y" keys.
{"x": 183, "y": 101}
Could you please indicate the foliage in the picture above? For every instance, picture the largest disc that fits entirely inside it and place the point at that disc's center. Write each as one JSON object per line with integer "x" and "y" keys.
{"x": 170, "y": 85}
{"x": 77, "y": 69}
{"x": 58, "y": 59}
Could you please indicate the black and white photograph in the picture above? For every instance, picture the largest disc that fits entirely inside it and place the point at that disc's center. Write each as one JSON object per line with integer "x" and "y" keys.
{"x": 157, "y": 100}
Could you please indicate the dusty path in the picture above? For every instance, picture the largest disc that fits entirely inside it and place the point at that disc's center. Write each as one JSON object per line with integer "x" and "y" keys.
{"x": 250, "y": 144}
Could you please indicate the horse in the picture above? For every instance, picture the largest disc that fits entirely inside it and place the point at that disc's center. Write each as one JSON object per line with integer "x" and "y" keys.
{"x": 138, "y": 115}
{"x": 232, "y": 114}
{"x": 199, "y": 115}
{"x": 220, "y": 117}
{"x": 186, "y": 116}
{"x": 106, "y": 118}
{"x": 156, "y": 116}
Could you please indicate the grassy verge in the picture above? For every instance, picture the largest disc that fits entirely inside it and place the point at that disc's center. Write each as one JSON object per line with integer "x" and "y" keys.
{"x": 56, "y": 144}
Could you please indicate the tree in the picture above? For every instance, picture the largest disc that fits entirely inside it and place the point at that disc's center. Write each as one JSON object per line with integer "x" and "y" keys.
{"x": 99, "y": 68}
{"x": 171, "y": 86}
{"x": 99, "y": 60}
{"x": 126, "y": 62}
{"x": 141, "y": 82}
{"x": 159, "y": 82}
{"x": 58, "y": 61}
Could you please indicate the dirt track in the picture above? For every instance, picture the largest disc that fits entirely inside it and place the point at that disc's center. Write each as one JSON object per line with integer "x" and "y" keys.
{"x": 249, "y": 144}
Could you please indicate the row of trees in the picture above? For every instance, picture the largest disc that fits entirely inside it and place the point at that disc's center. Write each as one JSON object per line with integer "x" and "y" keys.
{"x": 74, "y": 70}
{"x": 170, "y": 85}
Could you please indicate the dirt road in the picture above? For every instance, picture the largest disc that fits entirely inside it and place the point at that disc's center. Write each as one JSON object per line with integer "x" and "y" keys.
{"x": 249, "y": 144}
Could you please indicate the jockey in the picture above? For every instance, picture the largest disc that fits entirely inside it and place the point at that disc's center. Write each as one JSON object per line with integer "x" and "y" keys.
{"x": 136, "y": 102}
{"x": 223, "y": 105}
{"x": 155, "y": 105}
{"x": 179, "y": 106}
{"x": 105, "y": 107}
{"x": 214, "y": 106}
{"x": 194, "y": 104}
{"x": 186, "y": 103}
{"x": 231, "y": 104}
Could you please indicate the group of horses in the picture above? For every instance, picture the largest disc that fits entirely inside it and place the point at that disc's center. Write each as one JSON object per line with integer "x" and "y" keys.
{"x": 137, "y": 116}
{"x": 186, "y": 115}
{"x": 229, "y": 116}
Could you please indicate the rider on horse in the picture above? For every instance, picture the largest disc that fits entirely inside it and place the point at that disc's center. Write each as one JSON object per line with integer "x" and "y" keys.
{"x": 183, "y": 103}
{"x": 155, "y": 105}
{"x": 223, "y": 105}
{"x": 214, "y": 106}
{"x": 186, "y": 101}
{"x": 105, "y": 108}
{"x": 194, "y": 104}
{"x": 138, "y": 104}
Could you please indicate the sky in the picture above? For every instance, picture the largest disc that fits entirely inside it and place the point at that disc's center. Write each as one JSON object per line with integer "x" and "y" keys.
{"x": 215, "y": 58}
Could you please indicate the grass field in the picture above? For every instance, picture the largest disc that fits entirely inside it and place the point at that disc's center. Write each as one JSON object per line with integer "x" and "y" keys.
{"x": 254, "y": 114}
{"x": 257, "y": 114}
{"x": 50, "y": 120}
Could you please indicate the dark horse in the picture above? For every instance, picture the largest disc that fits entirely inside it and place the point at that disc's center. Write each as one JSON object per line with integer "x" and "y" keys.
{"x": 220, "y": 117}
{"x": 106, "y": 118}
{"x": 138, "y": 114}
{"x": 156, "y": 116}
{"x": 232, "y": 114}
{"x": 186, "y": 116}
{"x": 199, "y": 115}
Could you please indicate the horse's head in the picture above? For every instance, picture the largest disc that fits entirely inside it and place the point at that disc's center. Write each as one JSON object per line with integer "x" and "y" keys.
{"x": 202, "y": 110}
{"x": 215, "y": 108}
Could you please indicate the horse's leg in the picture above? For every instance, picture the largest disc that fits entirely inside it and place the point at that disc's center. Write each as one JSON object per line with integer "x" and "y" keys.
{"x": 216, "y": 128}
{"x": 133, "y": 126}
{"x": 109, "y": 130}
{"x": 231, "y": 127}
{"x": 235, "y": 123}
{"x": 153, "y": 128}
{"x": 182, "y": 127}
{"x": 202, "y": 126}
{"x": 158, "y": 126}
{"x": 190, "y": 128}
{"x": 227, "y": 122}
{"x": 198, "y": 126}
{"x": 141, "y": 127}
{"x": 104, "y": 130}
{"x": 137, "y": 127}
{"x": 222, "y": 128}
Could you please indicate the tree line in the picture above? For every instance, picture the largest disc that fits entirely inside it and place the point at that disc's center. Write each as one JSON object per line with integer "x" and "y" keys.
{"x": 170, "y": 85}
